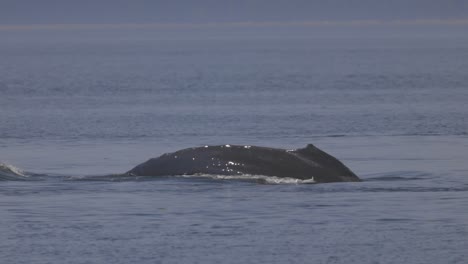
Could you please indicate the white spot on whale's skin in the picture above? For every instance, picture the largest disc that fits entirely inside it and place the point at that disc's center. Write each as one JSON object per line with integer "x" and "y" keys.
{"x": 175, "y": 157}
{"x": 206, "y": 146}
{"x": 231, "y": 163}
{"x": 193, "y": 158}
{"x": 247, "y": 147}
{"x": 228, "y": 146}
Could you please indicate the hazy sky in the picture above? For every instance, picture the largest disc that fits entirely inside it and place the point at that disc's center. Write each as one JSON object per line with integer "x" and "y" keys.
{"x": 223, "y": 11}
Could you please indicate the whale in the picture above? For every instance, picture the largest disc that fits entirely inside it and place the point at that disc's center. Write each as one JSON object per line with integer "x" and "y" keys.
{"x": 308, "y": 163}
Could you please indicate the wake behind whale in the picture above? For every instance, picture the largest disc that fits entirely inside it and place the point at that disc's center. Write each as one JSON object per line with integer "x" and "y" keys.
{"x": 230, "y": 162}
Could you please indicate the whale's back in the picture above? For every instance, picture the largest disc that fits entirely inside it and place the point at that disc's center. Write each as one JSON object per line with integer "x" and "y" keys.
{"x": 305, "y": 163}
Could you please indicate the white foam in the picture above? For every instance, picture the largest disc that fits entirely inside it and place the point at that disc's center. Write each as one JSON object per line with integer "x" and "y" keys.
{"x": 11, "y": 169}
{"x": 249, "y": 177}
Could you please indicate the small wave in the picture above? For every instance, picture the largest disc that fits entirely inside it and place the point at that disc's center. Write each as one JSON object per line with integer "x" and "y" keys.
{"x": 399, "y": 176}
{"x": 393, "y": 178}
{"x": 10, "y": 173}
{"x": 415, "y": 189}
{"x": 108, "y": 177}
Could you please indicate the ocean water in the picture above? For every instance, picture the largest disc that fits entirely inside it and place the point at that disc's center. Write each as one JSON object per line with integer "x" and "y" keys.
{"x": 76, "y": 106}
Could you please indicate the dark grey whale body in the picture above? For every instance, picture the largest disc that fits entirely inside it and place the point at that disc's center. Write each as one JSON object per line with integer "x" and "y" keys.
{"x": 309, "y": 163}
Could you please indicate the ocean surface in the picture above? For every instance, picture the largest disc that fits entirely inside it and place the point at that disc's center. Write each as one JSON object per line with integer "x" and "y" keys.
{"x": 77, "y": 106}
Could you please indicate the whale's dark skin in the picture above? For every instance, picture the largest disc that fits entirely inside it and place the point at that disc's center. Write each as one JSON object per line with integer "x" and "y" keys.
{"x": 304, "y": 163}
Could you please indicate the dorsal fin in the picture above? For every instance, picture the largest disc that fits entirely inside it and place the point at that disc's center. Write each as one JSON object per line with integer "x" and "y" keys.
{"x": 312, "y": 151}
{"x": 307, "y": 148}
{"x": 310, "y": 146}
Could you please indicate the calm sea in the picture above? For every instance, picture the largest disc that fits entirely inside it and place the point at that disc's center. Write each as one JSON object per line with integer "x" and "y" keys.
{"x": 75, "y": 106}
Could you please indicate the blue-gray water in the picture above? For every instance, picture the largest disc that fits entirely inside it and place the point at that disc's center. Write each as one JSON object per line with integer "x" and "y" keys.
{"x": 393, "y": 109}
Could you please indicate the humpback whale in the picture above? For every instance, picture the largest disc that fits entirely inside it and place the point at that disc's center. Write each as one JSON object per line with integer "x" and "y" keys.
{"x": 308, "y": 163}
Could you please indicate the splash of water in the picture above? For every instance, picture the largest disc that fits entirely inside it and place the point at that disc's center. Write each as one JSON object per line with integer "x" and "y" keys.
{"x": 10, "y": 172}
